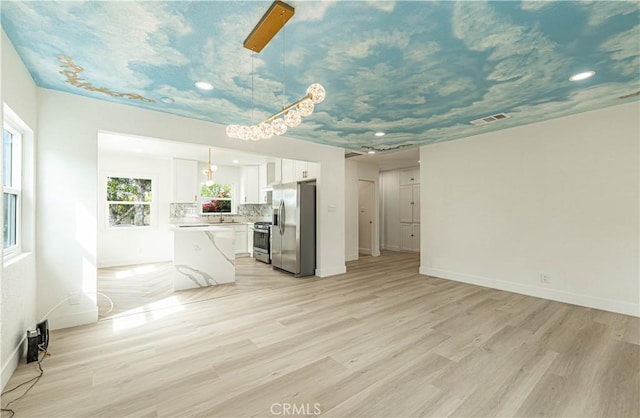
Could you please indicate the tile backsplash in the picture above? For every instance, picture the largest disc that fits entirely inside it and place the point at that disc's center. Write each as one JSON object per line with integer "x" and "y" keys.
{"x": 188, "y": 212}
{"x": 255, "y": 210}
{"x": 183, "y": 210}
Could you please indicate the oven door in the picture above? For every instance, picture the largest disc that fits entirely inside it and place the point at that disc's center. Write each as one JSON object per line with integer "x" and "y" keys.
{"x": 261, "y": 245}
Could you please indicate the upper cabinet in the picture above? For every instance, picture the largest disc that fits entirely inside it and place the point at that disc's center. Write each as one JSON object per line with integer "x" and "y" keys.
{"x": 293, "y": 170}
{"x": 185, "y": 181}
{"x": 250, "y": 184}
{"x": 410, "y": 176}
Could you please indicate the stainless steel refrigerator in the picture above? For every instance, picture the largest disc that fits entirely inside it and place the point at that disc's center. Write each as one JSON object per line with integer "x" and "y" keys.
{"x": 293, "y": 246}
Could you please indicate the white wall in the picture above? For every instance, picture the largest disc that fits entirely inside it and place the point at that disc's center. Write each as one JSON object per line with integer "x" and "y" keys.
{"x": 124, "y": 246}
{"x": 18, "y": 277}
{"x": 558, "y": 197}
{"x": 355, "y": 171}
{"x": 351, "y": 210}
{"x": 390, "y": 210}
{"x": 69, "y": 125}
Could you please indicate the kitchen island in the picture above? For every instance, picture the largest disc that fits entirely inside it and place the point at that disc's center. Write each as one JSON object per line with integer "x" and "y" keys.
{"x": 203, "y": 255}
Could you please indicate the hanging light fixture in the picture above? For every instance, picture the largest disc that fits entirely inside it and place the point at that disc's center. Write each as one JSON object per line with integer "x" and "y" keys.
{"x": 272, "y": 21}
{"x": 209, "y": 171}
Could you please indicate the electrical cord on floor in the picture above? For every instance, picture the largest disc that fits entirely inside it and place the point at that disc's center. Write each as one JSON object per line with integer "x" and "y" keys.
{"x": 33, "y": 382}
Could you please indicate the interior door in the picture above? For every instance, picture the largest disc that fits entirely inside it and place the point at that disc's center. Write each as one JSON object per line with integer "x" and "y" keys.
{"x": 365, "y": 217}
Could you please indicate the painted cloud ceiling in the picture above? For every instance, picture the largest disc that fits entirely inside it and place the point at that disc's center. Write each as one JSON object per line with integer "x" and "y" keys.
{"x": 419, "y": 71}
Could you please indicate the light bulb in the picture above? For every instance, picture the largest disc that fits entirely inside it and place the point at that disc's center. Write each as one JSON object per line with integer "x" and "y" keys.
{"x": 209, "y": 183}
{"x": 316, "y": 93}
{"x": 213, "y": 168}
{"x": 254, "y": 133}
{"x": 232, "y": 131}
{"x": 279, "y": 126}
{"x": 305, "y": 107}
{"x": 292, "y": 118}
{"x": 266, "y": 130}
{"x": 243, "y": 133}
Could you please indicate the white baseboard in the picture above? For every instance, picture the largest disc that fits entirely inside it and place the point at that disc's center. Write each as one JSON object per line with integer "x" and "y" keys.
{"x": 351, "y": 257}
{"x": 332, "y": 271}
{"x": 391, "y": 247}
{"x": 14, "y": 359}
{"x": 72, "y": 320}
{"x": 610, "y": 305}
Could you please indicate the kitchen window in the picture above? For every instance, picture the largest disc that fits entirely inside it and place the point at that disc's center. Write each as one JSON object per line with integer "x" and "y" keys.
{"x": 129, "y": 202}
{"x": 12, "y": 189}
{"x": 217, "y": 198}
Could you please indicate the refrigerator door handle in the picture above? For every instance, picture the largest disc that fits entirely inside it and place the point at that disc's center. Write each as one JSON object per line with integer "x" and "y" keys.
{"x": 282, "y": 214}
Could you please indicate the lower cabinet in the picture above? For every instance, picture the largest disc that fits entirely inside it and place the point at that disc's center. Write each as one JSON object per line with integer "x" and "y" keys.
{"x": 241, "y": 238}
{"x": 410, "y": 237}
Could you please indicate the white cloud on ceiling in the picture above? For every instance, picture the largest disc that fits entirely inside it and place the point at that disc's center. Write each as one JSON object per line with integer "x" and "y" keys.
{"x": 601, "y": 11}
{"x": 625, "y": 50}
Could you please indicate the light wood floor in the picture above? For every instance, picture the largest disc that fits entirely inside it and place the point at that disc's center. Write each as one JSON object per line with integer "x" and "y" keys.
{"x": 380, "y": 340}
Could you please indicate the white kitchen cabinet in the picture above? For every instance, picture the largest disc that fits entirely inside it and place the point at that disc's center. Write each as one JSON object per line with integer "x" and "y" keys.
{"x": 410, "y": 176}
{"x": 240, "y": 237}
{"x": 250, "y": 240}
{"x": 410, "y": 204}
{"x": 305, "y": 170}
{"x": 288, "y": 171}
{"x": 250, "y": 184}
{"x": 410, "y": 237}
{"x": 185, "y": 181}
{"x": 266, "y": 180}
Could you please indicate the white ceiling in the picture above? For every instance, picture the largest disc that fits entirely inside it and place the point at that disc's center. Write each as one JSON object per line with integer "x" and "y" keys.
{"x": 391, "y": 160}
{"x": 119, "y": 144}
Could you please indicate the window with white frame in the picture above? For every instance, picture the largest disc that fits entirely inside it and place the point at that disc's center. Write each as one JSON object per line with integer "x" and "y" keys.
{"x": 128, "y": 202}
{"x": 216, "y": 198}
{"x": 12, "y": 188}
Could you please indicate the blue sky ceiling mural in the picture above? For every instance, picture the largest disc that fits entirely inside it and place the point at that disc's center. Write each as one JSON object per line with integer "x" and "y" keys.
{"x": 419, "y": 71}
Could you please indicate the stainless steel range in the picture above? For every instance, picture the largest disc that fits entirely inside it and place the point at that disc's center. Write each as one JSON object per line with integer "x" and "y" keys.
{"x": 262, "y": 241}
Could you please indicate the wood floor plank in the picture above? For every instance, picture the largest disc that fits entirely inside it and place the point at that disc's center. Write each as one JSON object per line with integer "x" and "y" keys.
{"x": 380, "y": 340}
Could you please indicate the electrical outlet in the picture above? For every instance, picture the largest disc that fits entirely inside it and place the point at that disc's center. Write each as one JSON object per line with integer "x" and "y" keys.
{"x": 74, "y": 298}
{"x": 545, "y": 278}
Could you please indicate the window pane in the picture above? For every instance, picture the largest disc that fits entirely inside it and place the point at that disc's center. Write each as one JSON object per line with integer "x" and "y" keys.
{"x": 120, "y": 189}
{"x": 7, "y": 155}
{"x": 216, "y": 206}
{"x": 122, "y": 214}
{"x": 10, "y": 219}
{"x": 216, "y": 190}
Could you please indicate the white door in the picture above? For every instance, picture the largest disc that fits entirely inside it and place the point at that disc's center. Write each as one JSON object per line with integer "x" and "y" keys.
{"x": 406, "y": 203}
{"x": 365, "y": 217}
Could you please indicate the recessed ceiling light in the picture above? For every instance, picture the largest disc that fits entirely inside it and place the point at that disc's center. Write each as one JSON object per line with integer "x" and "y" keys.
{"x": 582, "y": 76}
{"x": 167, "y": 100}
{"x": 371, "y": 152}
{"x": 379, "y": 133}
{"x": 236, "y": 161}
{"x": 203, "y": 85}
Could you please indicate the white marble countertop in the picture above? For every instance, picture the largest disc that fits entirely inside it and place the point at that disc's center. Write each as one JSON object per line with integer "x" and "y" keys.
{"x": 200, "y": 228}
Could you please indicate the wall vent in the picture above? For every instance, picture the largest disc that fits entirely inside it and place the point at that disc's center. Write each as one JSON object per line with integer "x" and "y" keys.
{"x": 489, "y": 119}
{"x": 352, "y": 154}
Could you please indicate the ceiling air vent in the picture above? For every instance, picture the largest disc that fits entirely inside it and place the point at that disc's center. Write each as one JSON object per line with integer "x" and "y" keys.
{"x": 352, "y": 154}
{"x": 489, "y": 119}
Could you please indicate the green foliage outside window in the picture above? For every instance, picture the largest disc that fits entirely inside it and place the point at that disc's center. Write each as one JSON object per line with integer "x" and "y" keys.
{"x": 129, "y": 201}
{"x": 217, "y": 198}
